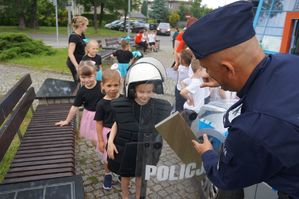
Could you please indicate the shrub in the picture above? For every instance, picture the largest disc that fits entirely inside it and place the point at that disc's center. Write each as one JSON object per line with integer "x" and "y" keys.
{"x": 14, "y": 45}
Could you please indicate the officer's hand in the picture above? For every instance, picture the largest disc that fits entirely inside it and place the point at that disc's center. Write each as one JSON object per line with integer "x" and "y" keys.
{"x": 203, "y": 147}
{"x": 208, "y": 81}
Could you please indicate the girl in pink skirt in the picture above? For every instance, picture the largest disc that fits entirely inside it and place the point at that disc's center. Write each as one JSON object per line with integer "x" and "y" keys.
{"x": 88, "y": 95}
{"x": 105, "y": 118}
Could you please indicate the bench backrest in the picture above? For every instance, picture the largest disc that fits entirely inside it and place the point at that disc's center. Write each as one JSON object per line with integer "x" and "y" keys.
{"x": 15, "y": 104}
{"x": 112, "y": 42}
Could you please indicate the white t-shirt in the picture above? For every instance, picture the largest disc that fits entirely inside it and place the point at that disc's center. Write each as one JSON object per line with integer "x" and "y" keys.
{"x": 198, "y": 94}
{"x": 182, "y": 74}
{"x": 190, "y": 72}
{"x": 151, "y": 37}
{"x": 216, "y": 96}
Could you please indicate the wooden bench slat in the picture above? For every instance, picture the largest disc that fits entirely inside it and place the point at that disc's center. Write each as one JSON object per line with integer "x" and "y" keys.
{"x": 48, "y": 143}
{"x": 47, "y": 134}
{"x": 41, "y": 167}
{"x": 46, "y": 131}
{"x": 33, "y": 137}
{"x": 23, "y": 164}
{"x": 48, "y": 157}
{"x": 57, "y": 146}
{"x": 39, "y": 177}
{"x": 38, "y": 172}
{"x": 68, "y": 148}
{"x": 43, "y": 154}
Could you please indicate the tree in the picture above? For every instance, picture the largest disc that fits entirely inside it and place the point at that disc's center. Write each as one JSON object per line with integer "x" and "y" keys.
{"x": 144, "y": 9}
{"x": 88, "y": 4}
{"x": 183, "y": 10}
{"x": 159, "y": 10}
{"x": 195, "y": 9}
{"x": 174, "y": 17}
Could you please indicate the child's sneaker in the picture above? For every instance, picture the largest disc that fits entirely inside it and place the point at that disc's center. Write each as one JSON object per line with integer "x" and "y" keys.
{"x": 107, "y": 185}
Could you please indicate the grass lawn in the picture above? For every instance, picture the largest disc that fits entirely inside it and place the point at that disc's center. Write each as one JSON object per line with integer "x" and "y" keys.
{"x": 55, "y": 62}
{"x": 101, "y": 32}
{"x": 6, "y": 161}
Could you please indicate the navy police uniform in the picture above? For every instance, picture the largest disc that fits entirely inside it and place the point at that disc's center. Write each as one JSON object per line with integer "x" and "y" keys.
{"x": 263, "y": 141}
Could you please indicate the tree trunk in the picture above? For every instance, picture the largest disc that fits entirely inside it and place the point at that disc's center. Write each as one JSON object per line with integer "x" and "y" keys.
{"x": 22, "y": 24}
{"x": 95, "y": 18}
{"x": 33, "y": 21}
{"x": 20, "y": 14}
{"x": 102, "y": 13}
{"x": 125, "y": 21}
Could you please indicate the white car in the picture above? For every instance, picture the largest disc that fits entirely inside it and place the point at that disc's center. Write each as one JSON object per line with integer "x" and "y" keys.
{"x": 109, "y": 25}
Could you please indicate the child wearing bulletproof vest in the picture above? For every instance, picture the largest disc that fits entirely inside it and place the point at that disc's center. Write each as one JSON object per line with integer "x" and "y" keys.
{"x": 133, "y": 141}
{"x": 105, "y": 119}
{"x": 92, "y": 48}
{"x": 88, "y": 95}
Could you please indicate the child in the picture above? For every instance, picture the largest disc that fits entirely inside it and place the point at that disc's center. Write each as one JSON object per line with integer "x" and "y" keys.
{"x": 183, "y": 70}
{"x": 92, "y": 47}
{"x": 133, "y": 141}
{"x": 194, "y": 95}
{"x": 139, "y": 41}
{"x": 88, "y": 95}
{"x": 152, "y": 41}
{"x": 124, "y": 56}
{"x": 104, "y": 117}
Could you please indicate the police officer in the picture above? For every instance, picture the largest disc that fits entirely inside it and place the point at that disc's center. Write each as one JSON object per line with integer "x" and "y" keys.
{"x": 263, "y": 141}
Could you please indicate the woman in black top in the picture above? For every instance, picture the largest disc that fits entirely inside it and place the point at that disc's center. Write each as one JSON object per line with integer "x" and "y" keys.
{"x": 76, "y": 47}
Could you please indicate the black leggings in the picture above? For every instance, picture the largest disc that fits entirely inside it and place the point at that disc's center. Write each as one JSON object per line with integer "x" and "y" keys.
{"x": 73, "y": 71}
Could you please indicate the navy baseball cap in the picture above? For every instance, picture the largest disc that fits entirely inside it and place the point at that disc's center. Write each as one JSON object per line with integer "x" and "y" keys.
{"x": 220, "y": 29}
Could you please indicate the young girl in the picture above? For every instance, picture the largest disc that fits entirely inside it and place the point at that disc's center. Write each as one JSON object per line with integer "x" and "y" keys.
{"x": 136, "y": 116}
{"x": 124, "y": 56}
{"x": 88, "y": 95}
{"x": 104, "y": 117}
{"x": 76, "y": 47}
{"x": 192, "y": 92}
{"x": 92, "y": 47}
{"x": 152, "y": 40}
{"x": 183, "y": 71}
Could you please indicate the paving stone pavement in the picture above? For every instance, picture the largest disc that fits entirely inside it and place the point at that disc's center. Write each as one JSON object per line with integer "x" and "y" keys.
{"x": 88, "y": 162}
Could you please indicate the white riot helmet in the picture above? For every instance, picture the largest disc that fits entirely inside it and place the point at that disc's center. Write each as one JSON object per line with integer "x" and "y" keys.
{"x": 145, "y": 70}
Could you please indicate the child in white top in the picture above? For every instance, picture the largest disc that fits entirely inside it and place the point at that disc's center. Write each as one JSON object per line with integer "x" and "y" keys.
{"x": 183, "y": 69}
{"x": 152, "y": 41}
{"x": 194, "y": 95}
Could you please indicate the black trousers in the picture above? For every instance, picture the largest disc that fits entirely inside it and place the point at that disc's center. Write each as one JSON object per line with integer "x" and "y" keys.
{"x": 73, "y": 71}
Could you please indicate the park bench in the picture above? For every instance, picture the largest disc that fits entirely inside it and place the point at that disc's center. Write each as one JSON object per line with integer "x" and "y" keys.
{"x": 44, "y": 164}
{"x": 112, "y": 42}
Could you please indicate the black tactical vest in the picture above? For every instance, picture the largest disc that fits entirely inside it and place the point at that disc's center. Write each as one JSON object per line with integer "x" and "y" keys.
{"x": 136, "y": 140}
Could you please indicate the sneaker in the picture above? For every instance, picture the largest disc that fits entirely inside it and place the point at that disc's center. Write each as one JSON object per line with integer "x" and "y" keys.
{"x": 107, "y": 185}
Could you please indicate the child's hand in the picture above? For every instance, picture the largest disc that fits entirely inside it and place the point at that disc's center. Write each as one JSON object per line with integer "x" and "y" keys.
{"x": 190, "y": 102}
{"x": 62, "y": 123}
{"x": 111, "y": 150}
{"x": 101, "y": 146}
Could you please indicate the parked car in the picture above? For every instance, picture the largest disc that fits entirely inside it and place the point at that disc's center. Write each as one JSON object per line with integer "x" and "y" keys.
{"x": 163, "y": 29}
{"x": 108, "y": 25}
{"x": 116, "y": 26}
{"x": 152, "y": 26}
